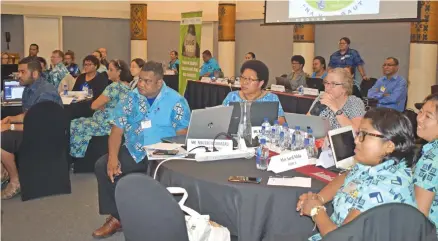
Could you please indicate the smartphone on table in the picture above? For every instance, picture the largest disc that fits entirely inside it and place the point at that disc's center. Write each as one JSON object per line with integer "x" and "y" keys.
{"x": 243, "y": 179}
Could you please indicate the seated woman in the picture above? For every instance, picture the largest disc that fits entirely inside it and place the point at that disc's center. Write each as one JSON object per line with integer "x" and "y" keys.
{"x": 136, "y": 65}
{"x": 425, "y": 178}
{"x": 337, "y": 104}
{"x": 385, "y": 150}
{"x": 83, "y": 129}
{"x": 91, "y": 78}
{"x": 319, "y": 68}
{"x": 254, "y": 78}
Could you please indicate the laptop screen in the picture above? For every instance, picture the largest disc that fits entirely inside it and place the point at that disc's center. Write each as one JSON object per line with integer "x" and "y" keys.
{"x": 13, "y": 90}
{"x": 343, "y": 145}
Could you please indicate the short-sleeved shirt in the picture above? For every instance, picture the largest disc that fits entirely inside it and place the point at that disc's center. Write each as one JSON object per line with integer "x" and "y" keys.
{"x": 39, "y": 91}
{"x": 322, "y": 76}
{"x": 350, "y": 58}
{"x": 57, "y": 74}
{"x": 144, "y": 124}
{"x": 366, "y": 187}
{"x": 354, "y": 107}
{"x": 268, "y": 97}
{"x": 296, "y": 80}
{"x": 426, "y": 175}
{"x": 209, "y": 67}
{"x": 173, "y": 65}
{"x": 116, "y": 92}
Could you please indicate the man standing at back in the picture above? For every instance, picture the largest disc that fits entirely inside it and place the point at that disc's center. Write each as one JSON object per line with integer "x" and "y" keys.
{"x": 37, "y": 90}
{"x": 59, "y": 71}
{"x": 390, "y": 90}
{"x": 33, "y": 50}
{"x": 150, "y": 112}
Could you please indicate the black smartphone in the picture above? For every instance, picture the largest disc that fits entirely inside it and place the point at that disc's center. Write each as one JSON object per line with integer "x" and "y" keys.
{"x": 243, "y": 179}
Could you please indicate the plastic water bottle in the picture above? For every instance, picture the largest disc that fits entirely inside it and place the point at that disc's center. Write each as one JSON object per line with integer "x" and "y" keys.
{"x": 262, "y": 155}
{"x": 266, "y": 126}
{"x": 297, "y": 139}
{"x": 301, "y": 90}
{"x": 65, "y": 88}
{"x": 311, "y": 148}
{"x": 274, "y": 132}
{"x": 284, "y": 137}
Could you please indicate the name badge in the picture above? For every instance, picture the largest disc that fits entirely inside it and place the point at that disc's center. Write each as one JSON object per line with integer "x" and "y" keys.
{"x": 382, "y": 89}
{"x": 146, "y": 124}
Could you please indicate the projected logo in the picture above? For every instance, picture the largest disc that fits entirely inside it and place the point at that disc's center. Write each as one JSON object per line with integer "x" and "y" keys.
{"x": 329, "y": 6}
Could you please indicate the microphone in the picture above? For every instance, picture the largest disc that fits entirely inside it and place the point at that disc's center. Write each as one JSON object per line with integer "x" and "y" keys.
{"x": 318, "y": 107}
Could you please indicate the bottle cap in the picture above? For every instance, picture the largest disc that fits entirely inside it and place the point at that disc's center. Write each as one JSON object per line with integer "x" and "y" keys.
{"x": 266, "y": 119}
{"x": 263, "y": 141}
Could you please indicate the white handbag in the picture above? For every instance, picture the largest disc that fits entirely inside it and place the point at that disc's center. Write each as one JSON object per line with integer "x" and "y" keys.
{"x": 200, "y": 227}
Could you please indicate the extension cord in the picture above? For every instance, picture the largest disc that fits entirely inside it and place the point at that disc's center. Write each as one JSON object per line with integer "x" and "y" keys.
{"x": 222, "y": 155}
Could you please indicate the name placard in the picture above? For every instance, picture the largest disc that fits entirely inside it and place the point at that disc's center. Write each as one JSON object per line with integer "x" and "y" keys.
{"x": 279, "y": 88}
{"x": 221, "y": 145}
{"x": 206, "y": 79}
{"x": 288, "y": 161}
{"x": 310, "y": 91}
{"x": 256, "y": 131}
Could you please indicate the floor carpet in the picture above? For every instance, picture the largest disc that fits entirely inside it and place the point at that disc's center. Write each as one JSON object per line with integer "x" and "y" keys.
{"x": 70, "y": 217}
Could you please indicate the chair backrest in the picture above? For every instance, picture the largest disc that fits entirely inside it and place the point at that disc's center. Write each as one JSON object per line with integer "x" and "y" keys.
{"x": 68, "y": 80}
{"x": 389, "y": 222}
{"x": 434, "y": 89}
{"x": 42, "y": 157}
{"x": 148, "y": 212}
{"x": 366, "y": 85}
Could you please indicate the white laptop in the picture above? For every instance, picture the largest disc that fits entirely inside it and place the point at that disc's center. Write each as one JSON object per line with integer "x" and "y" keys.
{"x": 342, "y": 144}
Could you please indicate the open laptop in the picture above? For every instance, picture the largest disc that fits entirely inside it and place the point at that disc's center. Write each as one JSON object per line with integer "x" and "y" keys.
{"x": 205, "y": 124}
{"x": 259, "y": 111}
{"x": 283, "y": 81}
{"x": 315, "y": 83}
{"x": 342, "y": 144}
{"x": 320, "y": 125}
{"x": 13, "y": 92}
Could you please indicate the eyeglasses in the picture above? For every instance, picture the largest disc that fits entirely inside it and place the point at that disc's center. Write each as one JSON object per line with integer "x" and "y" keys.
{"x": 332, "y": 85}
{"x": 362, "y": 134}
{"x": 247, "y": 80}
{"x": 390, "y": 65}
{"x": 88, "y": 65}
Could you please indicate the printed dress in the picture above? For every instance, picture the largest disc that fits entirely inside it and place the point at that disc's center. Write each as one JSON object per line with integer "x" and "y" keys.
{"x": 366, "y": 187}
{"x": 82, "y": 129}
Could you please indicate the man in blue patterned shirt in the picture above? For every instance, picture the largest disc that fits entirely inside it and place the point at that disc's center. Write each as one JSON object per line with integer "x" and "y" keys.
{"x": 37, "y": 90}
{"x": 150, "y": 112}
{"x": 59, "y": 71}
{"x": 210, "y": 65}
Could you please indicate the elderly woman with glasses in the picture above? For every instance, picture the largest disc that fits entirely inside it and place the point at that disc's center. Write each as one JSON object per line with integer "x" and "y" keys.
{"x": 384, "y": 153}
{"x": 254, "y": 78}
{"x": 337, "y": 104}
{"x": 83, "y": 129}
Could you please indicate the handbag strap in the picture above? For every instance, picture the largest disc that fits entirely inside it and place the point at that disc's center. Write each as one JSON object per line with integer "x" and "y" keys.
{"x": 179, "y": 191}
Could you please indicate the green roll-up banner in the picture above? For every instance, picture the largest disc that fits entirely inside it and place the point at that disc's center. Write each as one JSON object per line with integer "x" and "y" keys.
{"x": 189, "y": 48}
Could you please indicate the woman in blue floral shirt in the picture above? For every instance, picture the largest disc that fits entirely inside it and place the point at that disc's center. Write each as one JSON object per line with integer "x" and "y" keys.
{"x": 254, "y": 76}
{"x": 384, "y": 152}
{"x": 83, "y": 129}
{"x": 426, "y": 169}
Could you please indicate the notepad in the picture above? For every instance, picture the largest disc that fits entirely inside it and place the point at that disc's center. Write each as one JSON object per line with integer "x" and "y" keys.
{"x": 290, "y": 181}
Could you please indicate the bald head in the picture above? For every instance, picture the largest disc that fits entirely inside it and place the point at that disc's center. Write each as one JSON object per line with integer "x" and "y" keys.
{"x": 103, "y": 52}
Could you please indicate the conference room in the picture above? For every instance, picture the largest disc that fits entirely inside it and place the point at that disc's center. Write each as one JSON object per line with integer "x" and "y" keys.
{"x": 235, "y": 120}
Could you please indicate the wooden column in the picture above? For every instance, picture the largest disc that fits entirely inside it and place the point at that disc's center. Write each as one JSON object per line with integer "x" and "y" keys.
{"x": 139, "y": 24}
{"x": 227, "y": 37}
{"x": 423, "y": 53}
{"x": 304, "y": 44}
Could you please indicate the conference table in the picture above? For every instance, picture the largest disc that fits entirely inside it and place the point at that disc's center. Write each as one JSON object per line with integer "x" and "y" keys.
{"x": 252, "y": 212}
{"x": 207, "y": 94}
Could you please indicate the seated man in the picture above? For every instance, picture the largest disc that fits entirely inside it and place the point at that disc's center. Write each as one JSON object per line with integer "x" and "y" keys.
{"x": 390, "y": 90}
{"x": 148, "y": 113}
{"x": 59, "y": 71}
{"x": 297, "y": 77}
{"x": 210, "y": 65}
{"x": 37, "y": 90}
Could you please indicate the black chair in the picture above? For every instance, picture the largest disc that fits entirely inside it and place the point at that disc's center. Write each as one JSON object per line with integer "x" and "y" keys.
{"x": 97, "y": 147}
{"x": 366, "y": 85}
{"x": 42, "y": 158}
{"x": 388, "y": 222}
{"x": 148, "y": 212}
